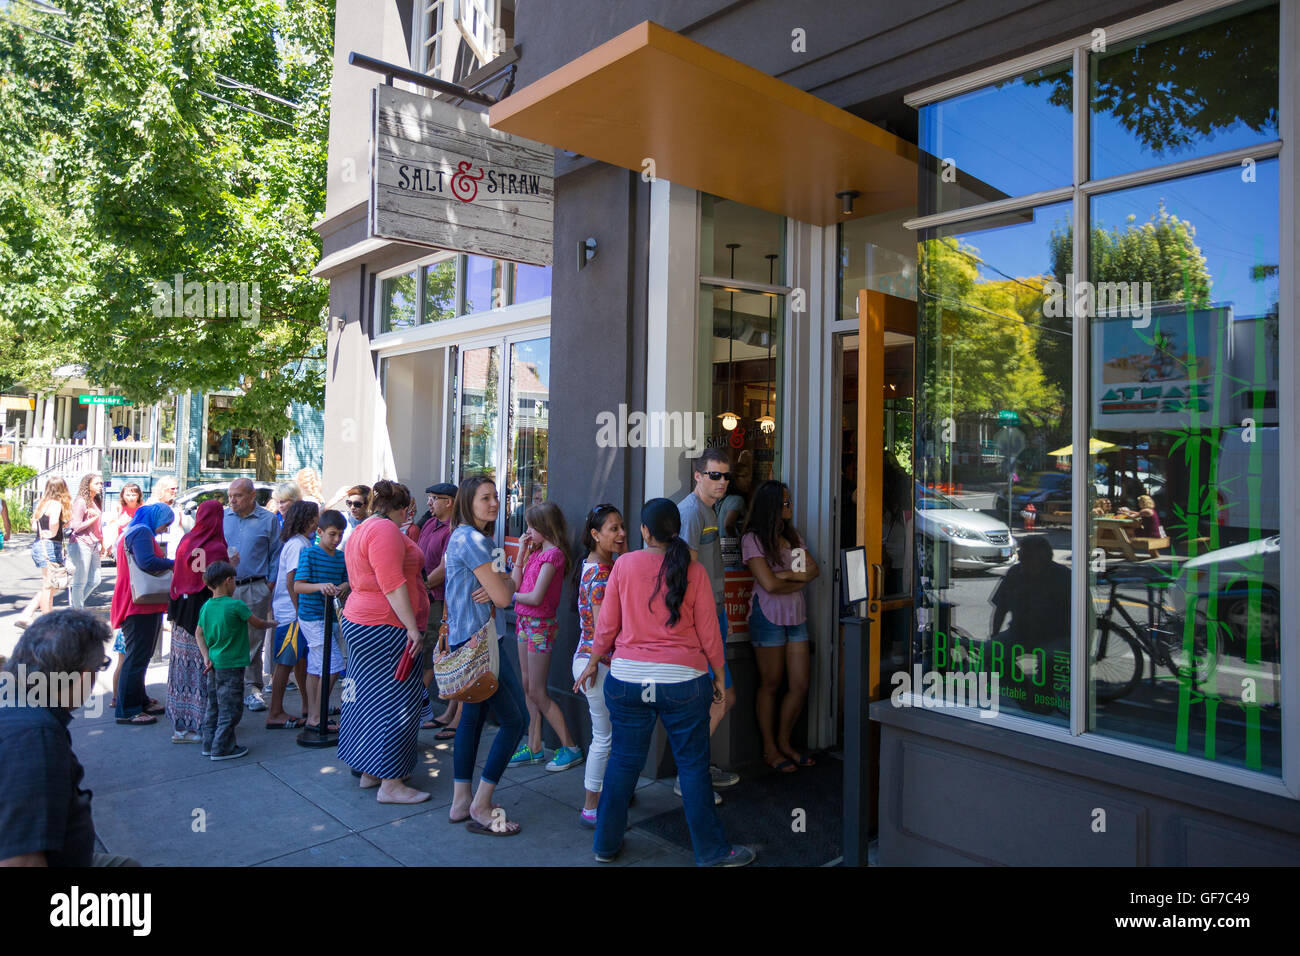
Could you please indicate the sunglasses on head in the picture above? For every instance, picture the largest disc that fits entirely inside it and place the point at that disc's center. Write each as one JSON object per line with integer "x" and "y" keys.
{"x": 717, "y": 475}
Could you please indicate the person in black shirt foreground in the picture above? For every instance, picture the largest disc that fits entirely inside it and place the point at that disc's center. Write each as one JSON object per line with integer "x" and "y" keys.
{"x": 45, "y": 816}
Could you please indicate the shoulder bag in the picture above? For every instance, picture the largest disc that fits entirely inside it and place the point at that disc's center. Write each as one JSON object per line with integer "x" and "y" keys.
{"x": 147, "y": 588}
{"x": 469, "y": 673}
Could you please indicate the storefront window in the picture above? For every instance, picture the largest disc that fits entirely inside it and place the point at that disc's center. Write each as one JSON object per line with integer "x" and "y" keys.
{"x": 439, "y": 291}
{"x": 530, "y": 399}
{"x": 485, "y": 284}
{"x": 530, "y": 282}
{"x": 480, "y": 383}
{"x": 1184, "y": 474}
{"x": 756, "y": 235}
{"x": 397, "y": 303}
{"x": 1011, "y": 138}
{"x": 875, "y": 254}
{"x": 992, "y": 407}
{"x": 234, "y": 449}
{"x": 1204, "y": 86}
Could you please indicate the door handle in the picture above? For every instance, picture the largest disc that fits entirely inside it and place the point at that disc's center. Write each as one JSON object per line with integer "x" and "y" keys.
{"x": 877, "y": 582}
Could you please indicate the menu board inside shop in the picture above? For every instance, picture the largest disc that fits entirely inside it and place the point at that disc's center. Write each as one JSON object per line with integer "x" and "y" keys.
{"x": 443, "y": 178}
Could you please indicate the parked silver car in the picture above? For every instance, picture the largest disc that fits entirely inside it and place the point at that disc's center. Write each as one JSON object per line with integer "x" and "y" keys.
{"x": 187, "y": 503}
{"x": 976, "y": 540}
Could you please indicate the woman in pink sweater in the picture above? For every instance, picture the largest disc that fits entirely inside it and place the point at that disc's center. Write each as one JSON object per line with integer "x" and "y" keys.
{"x": 659, "y": 626}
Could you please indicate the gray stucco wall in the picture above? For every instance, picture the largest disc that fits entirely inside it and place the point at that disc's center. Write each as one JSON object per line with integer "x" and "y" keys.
{"x": 598, "y": 328}
{"x": 861, "y": 56}
{"x": 1037, "y": 801}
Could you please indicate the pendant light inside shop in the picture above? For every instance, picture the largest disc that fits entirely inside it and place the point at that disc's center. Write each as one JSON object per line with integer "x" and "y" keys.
{"x": 767, "y": 423}
{"x": 729, "y": 418}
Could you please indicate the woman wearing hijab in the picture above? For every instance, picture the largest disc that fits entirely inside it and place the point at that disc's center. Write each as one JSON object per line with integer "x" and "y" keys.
{"x": 187, "y": 689}
{"x": 140, "y": 623}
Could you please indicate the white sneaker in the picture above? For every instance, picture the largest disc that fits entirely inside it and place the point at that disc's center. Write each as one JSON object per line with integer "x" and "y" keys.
{"x": 186, "y": 737}
{"x": 254, "y": 702}
{"x": 723, "y": 778}
{"x": 677, "y": 789}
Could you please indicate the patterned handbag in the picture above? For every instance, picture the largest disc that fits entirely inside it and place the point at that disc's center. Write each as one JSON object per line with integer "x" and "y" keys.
{"x": 469, "y": 673}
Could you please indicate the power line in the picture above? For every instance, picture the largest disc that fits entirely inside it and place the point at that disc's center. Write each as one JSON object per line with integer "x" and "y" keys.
{"x": 246, "y": 109}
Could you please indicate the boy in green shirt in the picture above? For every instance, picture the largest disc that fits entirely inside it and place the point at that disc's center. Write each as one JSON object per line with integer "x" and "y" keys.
{"x": 222, "y": 635}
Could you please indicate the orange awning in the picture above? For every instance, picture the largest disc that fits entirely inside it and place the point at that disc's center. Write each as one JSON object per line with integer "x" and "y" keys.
{"x": 715, "y": 124}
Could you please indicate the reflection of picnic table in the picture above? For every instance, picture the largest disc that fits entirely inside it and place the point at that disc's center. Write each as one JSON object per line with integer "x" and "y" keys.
{"x": 1124, "y": 536}
{"x": 1055, "y": 513}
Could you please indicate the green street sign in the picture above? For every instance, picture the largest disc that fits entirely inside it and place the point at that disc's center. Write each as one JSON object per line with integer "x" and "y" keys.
{"x": 1008, "y": 416}
{"x": 101, "y": 400}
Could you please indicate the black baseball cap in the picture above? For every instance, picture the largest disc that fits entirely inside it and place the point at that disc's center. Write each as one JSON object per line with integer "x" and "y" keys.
{"x": 442, "y": 488}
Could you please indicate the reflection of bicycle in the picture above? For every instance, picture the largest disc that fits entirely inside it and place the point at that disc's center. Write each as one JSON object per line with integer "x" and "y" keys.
{"x": 1116, "y": 651}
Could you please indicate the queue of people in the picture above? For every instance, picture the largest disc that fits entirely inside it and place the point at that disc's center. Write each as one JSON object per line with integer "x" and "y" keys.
{"x": 249, "y": 588}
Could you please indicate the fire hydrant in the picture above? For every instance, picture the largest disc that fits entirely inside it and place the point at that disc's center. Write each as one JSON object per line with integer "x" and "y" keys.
{"x": 1029, "y": 514}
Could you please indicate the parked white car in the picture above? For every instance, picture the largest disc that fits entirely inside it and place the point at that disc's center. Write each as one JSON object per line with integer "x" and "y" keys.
{"x": 976, "y": 540}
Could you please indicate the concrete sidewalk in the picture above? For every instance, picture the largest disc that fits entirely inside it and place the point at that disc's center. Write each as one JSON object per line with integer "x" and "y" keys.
{"x": 284, "y": 805}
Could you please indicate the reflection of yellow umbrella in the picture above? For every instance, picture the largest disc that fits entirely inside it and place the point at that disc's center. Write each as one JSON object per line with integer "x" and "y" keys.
{"x": 1095, "y": 447}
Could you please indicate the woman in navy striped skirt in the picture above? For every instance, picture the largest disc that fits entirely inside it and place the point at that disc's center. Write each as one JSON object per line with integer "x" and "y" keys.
{"x": 385, "y": 613}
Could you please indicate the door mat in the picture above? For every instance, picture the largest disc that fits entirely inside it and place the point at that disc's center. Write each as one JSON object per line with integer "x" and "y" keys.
{"x": 788, "y": 819}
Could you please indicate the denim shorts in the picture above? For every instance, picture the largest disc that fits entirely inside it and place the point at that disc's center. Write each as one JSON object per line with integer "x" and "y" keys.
{"x": 763, "y": 633}
{"x": 46, "y": 551}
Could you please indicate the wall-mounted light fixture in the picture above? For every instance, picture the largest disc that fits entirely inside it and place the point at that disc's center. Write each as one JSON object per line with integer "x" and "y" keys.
{"x": 846, "y": 201}
{"x": 586, "y": 252}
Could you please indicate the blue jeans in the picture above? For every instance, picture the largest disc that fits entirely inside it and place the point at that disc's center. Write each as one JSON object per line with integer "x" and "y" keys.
{"x": 684, "y": 709}
{"x": 140, "y": 635}
{"x": 510, "y": 709}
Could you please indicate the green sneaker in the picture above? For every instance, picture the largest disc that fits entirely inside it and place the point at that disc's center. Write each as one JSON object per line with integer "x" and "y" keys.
{"x": 523, "y": 756}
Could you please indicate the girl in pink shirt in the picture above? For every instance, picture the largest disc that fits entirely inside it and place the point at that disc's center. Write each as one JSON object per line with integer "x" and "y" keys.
{"x": 544, "y": 553}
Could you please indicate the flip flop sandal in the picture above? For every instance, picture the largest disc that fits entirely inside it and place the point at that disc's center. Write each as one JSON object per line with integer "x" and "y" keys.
{"x": 447, "y": 733}
{"x": 147, "y": 719}
{"x": 473, "y": 826}
{"x": 329, "y": 728}
{"x": 155, "y": 709}
{"x": 466, "y": 817}
{"x": 806, "y": 761}
{"x": 783, "y": 766}
{"x": 290, "y": 723}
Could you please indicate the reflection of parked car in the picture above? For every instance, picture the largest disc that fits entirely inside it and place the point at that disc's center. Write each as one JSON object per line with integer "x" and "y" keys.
{"x": 189, "y": 502}
{"x": 1228, "y": 573}
{"x": 977, "y": 540}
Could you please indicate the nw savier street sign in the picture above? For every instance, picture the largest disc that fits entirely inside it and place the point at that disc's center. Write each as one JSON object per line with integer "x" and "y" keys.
{"x": 443, "y": 178}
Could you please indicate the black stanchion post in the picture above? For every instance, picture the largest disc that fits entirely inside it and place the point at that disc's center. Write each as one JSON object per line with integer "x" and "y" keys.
{"x": 857, "y": 754}
{"x": 321, "y": 736}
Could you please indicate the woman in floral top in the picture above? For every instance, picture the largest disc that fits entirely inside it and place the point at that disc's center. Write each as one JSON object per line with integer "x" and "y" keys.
{"x": 603, "y": 539}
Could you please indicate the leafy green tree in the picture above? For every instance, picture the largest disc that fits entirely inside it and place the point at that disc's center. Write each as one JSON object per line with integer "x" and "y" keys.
{"x": 156, "y": 178}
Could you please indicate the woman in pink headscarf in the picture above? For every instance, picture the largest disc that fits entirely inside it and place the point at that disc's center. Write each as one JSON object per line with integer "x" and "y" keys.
{"x": 186, "y": 685}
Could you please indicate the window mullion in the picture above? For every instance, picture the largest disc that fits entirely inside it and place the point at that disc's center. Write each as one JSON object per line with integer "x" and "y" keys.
{"x": 1080, "y": 599}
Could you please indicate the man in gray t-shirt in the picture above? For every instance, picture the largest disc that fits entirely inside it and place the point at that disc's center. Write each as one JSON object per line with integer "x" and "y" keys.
{"x": 698, "y": 509}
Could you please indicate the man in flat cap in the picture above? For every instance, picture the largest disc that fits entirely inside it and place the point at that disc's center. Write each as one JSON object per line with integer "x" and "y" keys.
{"x": 433, "y": 544}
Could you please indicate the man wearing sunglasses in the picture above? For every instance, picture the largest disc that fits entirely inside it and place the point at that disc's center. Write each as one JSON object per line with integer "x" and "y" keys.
{"x": 354, "y": 509}
{"x": 712, "y": 471}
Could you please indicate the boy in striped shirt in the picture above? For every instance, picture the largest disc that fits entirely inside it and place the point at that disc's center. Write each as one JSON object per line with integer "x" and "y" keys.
{"x": 321, "y": 576}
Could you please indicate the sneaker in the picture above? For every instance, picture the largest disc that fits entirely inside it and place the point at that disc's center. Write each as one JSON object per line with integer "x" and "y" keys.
{"x": 565, "y": 758}
{"x": 739, "y": 856}
{"x": 186, "y": 737}
{"x": 601, "y": 858}
{"x": 254, "y": 703}
{"x": 237, "y": 752}
{"x": 723, "y": 778}
{"x": 677, "y": 789}
{"x": 587, "y": 819}
{"x": 207, "y": 750}
{"x": 523, "y": 756}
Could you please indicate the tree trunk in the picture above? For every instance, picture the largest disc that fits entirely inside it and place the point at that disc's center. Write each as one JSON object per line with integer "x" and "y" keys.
{"x": 265, "y": 458}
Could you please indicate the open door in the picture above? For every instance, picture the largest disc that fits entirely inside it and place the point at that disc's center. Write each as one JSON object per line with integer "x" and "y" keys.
{"x": 885, "y": 355}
